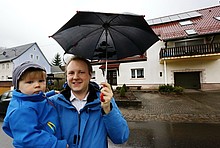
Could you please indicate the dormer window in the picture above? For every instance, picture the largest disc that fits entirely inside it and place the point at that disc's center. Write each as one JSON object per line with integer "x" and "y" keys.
{"x": 191, "y": 32}
{"x": 184, "y": 23}
{"x": 217, "y": 18}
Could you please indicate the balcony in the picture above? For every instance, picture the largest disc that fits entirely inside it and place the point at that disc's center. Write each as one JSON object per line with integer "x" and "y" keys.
{"x": 190, "y": 51}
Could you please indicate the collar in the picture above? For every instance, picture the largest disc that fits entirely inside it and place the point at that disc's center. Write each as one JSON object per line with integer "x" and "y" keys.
{"x": 73, "y": 97}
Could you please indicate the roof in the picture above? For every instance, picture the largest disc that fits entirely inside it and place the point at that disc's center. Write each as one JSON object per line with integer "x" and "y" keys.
{"x": 9, "y": 54}
{"x": 109, "y": 66}
{"x": 56, "y": 69}
{"x": 203, "y": 22}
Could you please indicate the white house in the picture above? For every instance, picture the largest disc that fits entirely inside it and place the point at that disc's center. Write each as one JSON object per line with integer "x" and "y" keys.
{"x": 12, "y": 57}
{"x": 187, "y": 55}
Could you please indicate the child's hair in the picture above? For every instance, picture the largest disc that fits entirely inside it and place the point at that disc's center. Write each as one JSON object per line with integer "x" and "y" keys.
{"x": 20, "y": 71}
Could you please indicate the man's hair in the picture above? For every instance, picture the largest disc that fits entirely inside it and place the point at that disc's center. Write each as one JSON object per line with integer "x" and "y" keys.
{"x": 78, "y": 58}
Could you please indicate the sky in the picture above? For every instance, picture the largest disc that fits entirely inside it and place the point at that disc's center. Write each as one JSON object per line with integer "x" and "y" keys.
{"x": 29, "y": 21}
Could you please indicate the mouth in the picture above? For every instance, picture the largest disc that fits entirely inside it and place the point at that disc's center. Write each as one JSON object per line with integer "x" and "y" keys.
{"x": 37, "y": 92}
{"x": 76, "y": 83}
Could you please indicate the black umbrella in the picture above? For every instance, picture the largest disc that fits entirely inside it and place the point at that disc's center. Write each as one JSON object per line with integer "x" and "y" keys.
{"x": 108, "y": 36}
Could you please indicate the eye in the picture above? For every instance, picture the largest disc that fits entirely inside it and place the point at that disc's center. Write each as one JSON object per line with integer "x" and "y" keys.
{"x": 70, "y": 73}
{"x": 41, "y": 80}
{"x": 29, "y": 82}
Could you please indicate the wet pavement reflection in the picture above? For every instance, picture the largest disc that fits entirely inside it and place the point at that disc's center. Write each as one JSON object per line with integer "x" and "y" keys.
{"x": 172, "y": 135}
{"x": 161, "y": 135}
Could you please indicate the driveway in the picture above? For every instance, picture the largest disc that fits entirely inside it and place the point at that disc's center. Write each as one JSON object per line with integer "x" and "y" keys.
{"x": 192, "y": 106}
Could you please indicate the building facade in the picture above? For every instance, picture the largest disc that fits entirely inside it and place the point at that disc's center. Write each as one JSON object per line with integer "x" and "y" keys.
{"x": 12, "y": 57}
{"x": 188, "y": 54}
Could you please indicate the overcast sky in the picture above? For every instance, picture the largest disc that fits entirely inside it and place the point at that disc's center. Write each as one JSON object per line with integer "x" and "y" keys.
{"x": 29, "y": 21}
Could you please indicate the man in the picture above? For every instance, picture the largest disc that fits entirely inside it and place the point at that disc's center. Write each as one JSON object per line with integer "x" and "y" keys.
{"x": 86, "y": 121}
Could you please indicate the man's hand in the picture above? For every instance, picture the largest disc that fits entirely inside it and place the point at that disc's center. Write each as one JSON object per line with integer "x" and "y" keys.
{"x": 106, "y": 94}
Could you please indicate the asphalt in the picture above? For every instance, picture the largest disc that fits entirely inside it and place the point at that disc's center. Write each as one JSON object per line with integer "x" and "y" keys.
{"x": 190, "y": 107}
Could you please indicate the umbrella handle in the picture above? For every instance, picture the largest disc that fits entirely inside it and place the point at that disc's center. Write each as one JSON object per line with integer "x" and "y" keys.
{"x": 102, "y": 97}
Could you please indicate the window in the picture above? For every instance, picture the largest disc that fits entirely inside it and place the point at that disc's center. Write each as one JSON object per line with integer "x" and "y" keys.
{"x": 137, "y": 73}
{"x": 3, "y": 66}
{"x": 191, "y": 32}
{"x": 7, "y": 65}
{"x": 188, "y": 22}
{"x": 37, "y": 57}
{"x": 189, "y": 42}
{"x": 32, "y": 56}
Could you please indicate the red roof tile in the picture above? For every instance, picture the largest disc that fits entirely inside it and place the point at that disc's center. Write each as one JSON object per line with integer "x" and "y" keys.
{"x": 204, "y": 24}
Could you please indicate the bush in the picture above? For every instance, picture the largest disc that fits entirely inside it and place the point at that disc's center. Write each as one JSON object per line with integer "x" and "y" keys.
{"x": 178, "y": 89}
{"x": 122, "y": 91}
{"x": 125, "y": 87}
{"x": 169, "y": 89}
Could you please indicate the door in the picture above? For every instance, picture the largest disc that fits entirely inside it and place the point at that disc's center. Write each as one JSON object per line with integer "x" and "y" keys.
{"x": 112, "y": 77}
{"x": 188, "y": 80}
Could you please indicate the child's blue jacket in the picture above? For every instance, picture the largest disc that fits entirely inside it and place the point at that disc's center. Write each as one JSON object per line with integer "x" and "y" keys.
{"x": 32, "y": 121}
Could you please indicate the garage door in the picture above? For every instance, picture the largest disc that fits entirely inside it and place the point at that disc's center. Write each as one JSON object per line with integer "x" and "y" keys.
{"x": 188, "y": 80}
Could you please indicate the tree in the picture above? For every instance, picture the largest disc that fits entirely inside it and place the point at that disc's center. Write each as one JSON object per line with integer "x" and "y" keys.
{"x": 56, "y": 60}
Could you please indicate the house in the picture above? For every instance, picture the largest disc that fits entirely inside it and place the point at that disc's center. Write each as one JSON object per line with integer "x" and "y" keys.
{"x": 12, "y": 57}
{"x": 187, "y": 55}
{"x": 56, "y": 78}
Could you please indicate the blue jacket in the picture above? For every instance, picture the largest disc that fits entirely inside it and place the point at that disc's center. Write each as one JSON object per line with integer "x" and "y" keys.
{"x": 32, "y": 121}
{"x": 91, "y": 127}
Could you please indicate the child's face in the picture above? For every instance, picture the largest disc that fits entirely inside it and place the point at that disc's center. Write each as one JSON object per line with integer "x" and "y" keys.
{"x": 33, "y": 82}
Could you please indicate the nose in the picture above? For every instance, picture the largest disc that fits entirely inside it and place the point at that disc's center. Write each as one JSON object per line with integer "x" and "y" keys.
{"x": 76, "y": 76}
{"x": 36, "y": 84}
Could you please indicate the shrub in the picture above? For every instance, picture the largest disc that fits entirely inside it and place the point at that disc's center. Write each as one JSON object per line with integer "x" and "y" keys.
{"x": 178, "y": 89}
{"x": 125, "y": 87}
{"x": 169, "y": 89}
{"x": 122, "y": 91}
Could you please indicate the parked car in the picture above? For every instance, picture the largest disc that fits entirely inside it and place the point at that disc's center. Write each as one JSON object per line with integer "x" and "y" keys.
{"x": 4, "y": 101}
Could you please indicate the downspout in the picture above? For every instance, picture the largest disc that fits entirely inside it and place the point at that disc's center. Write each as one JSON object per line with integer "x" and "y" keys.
{"x": 165, "y": 71}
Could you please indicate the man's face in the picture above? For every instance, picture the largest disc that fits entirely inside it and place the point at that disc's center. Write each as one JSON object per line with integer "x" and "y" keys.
{"x": 78, "y": 77}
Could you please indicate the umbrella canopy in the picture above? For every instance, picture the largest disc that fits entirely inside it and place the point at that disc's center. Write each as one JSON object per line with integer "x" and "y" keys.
{"x": 111, "y": 36}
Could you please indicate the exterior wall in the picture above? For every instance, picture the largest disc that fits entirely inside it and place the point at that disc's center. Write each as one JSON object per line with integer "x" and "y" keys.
{"x": 208, "y": 68}
{"x": 6, "y": 71}
{"x": 152, "y": 69}
{"x": 209, "y": 73}
{"x": 33, "y": 54}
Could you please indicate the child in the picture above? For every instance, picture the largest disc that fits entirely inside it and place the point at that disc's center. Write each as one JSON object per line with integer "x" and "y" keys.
{"x": 31, "y": 119}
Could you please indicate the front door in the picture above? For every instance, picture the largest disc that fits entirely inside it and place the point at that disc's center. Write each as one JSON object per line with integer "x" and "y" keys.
{"x": 112, "y": 77}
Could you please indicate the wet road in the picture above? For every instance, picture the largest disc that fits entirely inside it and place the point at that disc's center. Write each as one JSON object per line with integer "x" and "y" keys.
{"x": 172, "y": 135}
{"x": 161, "y": 135}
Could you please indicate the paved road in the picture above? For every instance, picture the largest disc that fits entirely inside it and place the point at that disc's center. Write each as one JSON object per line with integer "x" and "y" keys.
{"x": 191, "y": 107}
{"x": 188, "y": 121}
